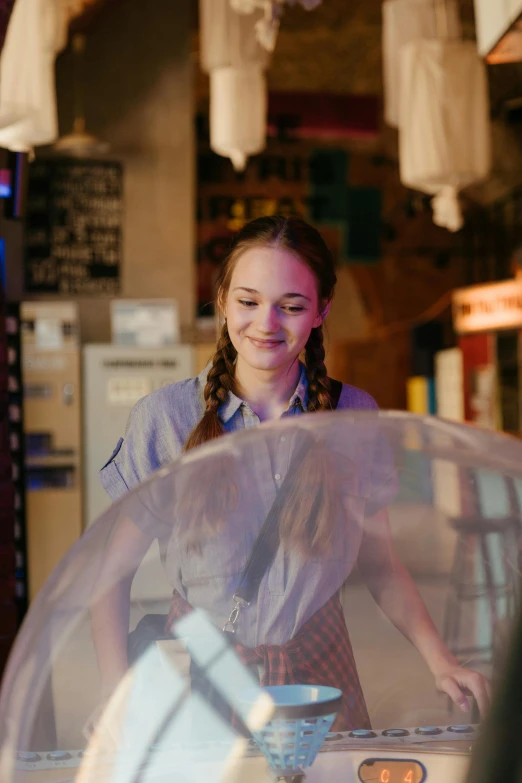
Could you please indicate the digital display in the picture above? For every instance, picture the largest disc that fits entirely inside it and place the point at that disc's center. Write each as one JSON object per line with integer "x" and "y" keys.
{"x": 391, "y": 771}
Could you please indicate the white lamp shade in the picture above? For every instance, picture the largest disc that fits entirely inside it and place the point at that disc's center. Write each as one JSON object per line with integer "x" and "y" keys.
{"x": 238, "y": 109}
{"x": 405, "y": 21}
{"x": 28, "y": 114}
{"x": 235, "y": 62}
{"x": 228, "y": 38}
{"x": 445, "y": 127}
{"x": 445, "y": 132}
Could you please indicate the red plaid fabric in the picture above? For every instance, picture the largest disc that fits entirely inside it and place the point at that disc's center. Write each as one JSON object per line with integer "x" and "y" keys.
{"x": 320, "y": 654}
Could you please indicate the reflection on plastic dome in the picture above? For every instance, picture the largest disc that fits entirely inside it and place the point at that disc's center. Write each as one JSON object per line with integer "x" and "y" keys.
{"x": 373, "y": 621}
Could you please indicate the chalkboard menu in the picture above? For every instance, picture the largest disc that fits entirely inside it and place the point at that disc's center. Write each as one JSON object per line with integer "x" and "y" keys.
{"x": 73, "y": 227}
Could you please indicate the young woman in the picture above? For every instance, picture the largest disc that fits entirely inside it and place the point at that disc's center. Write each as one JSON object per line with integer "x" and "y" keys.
{"x": 274, "y": 294}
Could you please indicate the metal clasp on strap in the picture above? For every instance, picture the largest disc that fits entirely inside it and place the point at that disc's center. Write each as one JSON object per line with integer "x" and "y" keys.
{"x": 239, "y": 603}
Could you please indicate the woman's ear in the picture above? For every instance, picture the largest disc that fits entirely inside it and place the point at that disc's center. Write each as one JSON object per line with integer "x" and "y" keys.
{"x": 322, "y": 315}
{"x": 221, "y": 307}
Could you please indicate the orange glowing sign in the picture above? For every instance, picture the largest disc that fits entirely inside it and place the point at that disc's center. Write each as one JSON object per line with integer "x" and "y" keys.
{"x": 485, "y": 308}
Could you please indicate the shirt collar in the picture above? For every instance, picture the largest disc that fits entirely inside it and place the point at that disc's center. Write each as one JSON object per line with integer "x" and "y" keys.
{"x": 233, "y": 403}
{"x": 300, "y": 396}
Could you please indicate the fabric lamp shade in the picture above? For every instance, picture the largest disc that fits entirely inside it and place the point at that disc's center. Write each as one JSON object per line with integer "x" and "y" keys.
{"x": 38, "y": 30}
{"x": 267, "y": 27}
{"x": 28, "y": 115}
{"x": 236, "y": 64}
{"x": 238, "y": 112}
{"x": 228, "y": 38}
{"x": 405, "y": 21}
{"x": 444, "y": 134}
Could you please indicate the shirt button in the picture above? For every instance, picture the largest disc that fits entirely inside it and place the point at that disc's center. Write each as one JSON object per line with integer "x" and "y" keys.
{"x": 277, "y": 476}
{"x": 283, "y": 438}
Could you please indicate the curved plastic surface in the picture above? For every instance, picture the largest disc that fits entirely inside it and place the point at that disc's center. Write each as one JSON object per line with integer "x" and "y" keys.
{"x": 419, "y": 513}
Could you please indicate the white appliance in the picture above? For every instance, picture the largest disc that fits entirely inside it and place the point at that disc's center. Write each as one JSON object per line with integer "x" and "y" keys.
{"x": 114, "y": 379}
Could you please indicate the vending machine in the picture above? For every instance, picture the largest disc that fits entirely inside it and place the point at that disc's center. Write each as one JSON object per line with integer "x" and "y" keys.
{"x": 115, "y": 377}
{"x": 52, "y": 423}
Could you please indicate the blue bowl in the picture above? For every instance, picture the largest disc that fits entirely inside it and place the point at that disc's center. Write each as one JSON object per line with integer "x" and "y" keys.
{"x": 302, "y": 717}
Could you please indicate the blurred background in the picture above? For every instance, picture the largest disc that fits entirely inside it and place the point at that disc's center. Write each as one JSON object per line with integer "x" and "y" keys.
{"x": 136, "y": 138}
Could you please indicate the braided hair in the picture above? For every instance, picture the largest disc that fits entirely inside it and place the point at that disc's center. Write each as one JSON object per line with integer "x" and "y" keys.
{"x": 319, "y": 398}
{"x": 220, "y": 381}
{"x": 298, "y": 237}
{"x": 310, "y": 504}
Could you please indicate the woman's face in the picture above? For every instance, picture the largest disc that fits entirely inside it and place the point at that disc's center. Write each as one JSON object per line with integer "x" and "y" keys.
{"x": 271, "y": 307}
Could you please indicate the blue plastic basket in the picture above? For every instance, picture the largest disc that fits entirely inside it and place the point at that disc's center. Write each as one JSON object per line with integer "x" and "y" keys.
{"x": 302, "y": 717}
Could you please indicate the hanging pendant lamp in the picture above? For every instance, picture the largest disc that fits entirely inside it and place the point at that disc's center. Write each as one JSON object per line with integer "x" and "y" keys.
{"x": 28, "y": 116}
{"x": 236, "y": 64}
{"x": 79, "y": 143}
{"x": 444, "y": 124}
{"x": 237, "y": 37}
{"x": 267, "y": 27}
{"x": 405, "y": 21}
{"x": 444, "y": 137}
{"x": 236, "y": 133}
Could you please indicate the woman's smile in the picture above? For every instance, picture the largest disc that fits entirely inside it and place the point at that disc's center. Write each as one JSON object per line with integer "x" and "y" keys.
{"x": 265, "y": 344}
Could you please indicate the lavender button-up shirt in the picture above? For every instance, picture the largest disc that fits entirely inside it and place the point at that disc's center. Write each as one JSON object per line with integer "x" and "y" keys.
{"x": 291, "y": 590}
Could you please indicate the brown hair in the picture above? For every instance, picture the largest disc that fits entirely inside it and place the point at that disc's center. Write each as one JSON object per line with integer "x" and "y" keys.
{"x": 297, "y": 237}
{"x": 307, "y": 515}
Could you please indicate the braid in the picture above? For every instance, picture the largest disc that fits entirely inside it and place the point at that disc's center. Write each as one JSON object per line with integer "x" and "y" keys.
{"x": 318, "y": 382}
{"x": 310, "y": 504}
{"x": 220, "y": 381}
{"x": 221, "y": 374}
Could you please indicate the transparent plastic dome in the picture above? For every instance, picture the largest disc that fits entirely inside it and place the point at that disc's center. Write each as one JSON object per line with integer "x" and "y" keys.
{"x": 401, "y": 521}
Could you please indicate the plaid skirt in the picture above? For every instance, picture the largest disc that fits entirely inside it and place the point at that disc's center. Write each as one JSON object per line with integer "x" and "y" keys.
{"x": 320, "y": 654}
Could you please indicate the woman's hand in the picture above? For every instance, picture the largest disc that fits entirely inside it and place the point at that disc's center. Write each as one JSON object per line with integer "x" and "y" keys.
{"x": 104, "y": 727}
{"x": 397, "y": 595}
{"x": 94, "y": 719}
{"x": 458, "y": 681}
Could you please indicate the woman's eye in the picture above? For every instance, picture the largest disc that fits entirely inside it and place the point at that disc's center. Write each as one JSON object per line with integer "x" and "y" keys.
{"x": 293, "y": 309}
{"x": 247, "y": 303}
